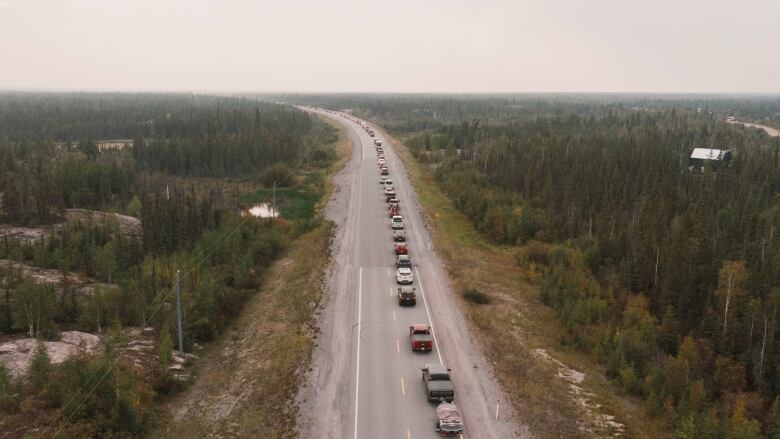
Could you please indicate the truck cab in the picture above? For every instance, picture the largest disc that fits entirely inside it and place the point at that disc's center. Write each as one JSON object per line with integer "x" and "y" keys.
{"x": 407, "y": 296}
{"x": 436, "y": 378}
{"x": 420, "y": 337}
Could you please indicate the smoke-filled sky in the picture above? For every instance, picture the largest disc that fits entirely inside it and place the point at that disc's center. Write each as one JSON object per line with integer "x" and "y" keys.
{"x": 391, "y": 46}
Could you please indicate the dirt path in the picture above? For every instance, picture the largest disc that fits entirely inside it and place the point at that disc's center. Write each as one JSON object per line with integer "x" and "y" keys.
{"x": 773, "y": 132}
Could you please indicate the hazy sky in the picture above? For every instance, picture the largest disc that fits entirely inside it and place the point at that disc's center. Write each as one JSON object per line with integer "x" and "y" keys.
{"x": 392, "y": 45}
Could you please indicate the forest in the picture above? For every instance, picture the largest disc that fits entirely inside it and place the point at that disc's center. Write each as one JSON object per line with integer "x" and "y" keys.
{"x": 670, "y": 277}
{"x": 412, "y": 113}
{"x": 50, "y": 162}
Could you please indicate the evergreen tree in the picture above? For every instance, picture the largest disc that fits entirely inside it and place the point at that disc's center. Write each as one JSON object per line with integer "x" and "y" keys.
{"x": 40, "y": 367}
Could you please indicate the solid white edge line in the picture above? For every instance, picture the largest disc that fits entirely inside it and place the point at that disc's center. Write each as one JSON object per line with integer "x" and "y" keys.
{"x": 357, "y": 372}
{"x": 430, "y": 320}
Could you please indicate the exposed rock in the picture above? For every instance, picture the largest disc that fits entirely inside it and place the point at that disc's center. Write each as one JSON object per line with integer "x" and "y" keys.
{"x": 90, "y": 341}
{"x": 46, "y": 276}
{"x": 128, "y": 225}
{"x": 16, "y": 355}
{"x": 28, "y": 235}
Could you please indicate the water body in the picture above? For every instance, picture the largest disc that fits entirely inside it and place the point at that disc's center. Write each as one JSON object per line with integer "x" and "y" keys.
{"x": 262, "y": 210}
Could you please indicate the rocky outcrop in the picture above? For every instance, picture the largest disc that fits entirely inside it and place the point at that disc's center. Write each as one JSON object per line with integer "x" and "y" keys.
{"x": 16, "y": 355}
{"x": 28, "y": 235}
{"x": 128, "y": 225}
{"x": 47, "y": 276}
{"x": 140, "y": 351}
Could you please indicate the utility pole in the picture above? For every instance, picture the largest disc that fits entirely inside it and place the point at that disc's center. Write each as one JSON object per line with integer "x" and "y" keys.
{"x": 273, "y": 203}
{"x": 178, "y": 313}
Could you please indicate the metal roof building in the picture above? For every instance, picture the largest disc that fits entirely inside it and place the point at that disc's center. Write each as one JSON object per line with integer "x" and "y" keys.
{"x": 701, "y": 156}
{"x": 711, "y": 154}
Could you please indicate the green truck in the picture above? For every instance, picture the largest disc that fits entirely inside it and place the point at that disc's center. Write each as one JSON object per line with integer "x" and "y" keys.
{"x": 438, "y": 387}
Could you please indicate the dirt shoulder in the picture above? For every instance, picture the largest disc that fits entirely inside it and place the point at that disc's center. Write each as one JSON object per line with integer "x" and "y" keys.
{"x": 556, "y": 391}
{"x": 246, "y": 382}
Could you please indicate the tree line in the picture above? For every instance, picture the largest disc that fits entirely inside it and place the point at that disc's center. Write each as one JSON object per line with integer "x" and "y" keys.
{"x": 222, "y": 255}
{"x": 671, "y": 277}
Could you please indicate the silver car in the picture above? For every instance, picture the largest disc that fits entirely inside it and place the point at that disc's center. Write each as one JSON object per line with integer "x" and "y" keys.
{"x": 397, "y": 222}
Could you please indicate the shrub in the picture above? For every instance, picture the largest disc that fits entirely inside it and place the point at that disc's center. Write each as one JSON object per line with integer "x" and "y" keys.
{"x": 476, "y": 296}
{"x": 534, "y": 251}
{"x": 281, "y": 174}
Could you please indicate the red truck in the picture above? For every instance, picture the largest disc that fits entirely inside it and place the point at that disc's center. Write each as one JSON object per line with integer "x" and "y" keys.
{"x": 420, "y": 337}
{"x": 401, "y": 249}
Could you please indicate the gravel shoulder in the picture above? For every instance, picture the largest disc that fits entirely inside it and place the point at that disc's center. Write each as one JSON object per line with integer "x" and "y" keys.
{"x": 324, "y": 405}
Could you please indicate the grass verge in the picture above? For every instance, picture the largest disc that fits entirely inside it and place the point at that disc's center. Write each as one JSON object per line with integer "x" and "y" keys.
{"x": 246, "y": 382}
{"x": 520, "y": 336}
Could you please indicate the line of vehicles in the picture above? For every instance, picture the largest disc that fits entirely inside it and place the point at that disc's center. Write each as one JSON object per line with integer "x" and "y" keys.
{"x": 435, "y": 376}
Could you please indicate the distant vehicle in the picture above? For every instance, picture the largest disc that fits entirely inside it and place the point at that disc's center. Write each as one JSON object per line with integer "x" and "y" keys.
{"x": 449, "y": 422}
{"x": 384, "y": 171}
{"x": 403, "y": 261}
{"x": 400, "y": 248}
{"x": 378, "y": 142}
{"x": 382, "y": 179}
{"x": 420, "y": 337}
{"x": 407, "y": 296}
{"x": 403, "y": 276}
{"x": 389, "y": 181}
{"x": 393, "y": 210}
{"x": 397, "y": 222}
{"x": 394, "y": 200}
{"x": 731, "y": 119}
{"x": 381, "y": 162}
{"x": 389, "y": 191}
{"x": 399, "y": 236}
{"x": 436, "y": 378}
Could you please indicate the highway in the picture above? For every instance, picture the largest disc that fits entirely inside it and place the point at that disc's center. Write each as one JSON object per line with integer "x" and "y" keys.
{"x": 365, "y": 382}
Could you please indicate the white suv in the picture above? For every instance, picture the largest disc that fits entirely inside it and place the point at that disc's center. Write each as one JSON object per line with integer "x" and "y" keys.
{"x": 403, "y": 276}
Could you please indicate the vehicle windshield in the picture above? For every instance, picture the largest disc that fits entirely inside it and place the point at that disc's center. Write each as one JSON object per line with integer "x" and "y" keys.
{"x": 451, "y": 426}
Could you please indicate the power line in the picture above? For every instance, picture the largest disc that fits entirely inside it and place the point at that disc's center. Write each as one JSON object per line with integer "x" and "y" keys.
{"x": 153, "y": 312}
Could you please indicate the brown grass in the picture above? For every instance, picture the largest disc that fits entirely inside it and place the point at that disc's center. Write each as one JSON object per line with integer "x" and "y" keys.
{"x": 247, "y": 381}
{"x": 515, "y": 323}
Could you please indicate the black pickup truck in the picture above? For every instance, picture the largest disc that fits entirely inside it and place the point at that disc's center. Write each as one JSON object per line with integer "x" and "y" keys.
{"x": 406, "y": 296}
{"x": 436, "y": 378}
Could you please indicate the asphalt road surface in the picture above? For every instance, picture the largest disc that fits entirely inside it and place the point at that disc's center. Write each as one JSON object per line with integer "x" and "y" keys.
{"x": 365, "y": 381}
